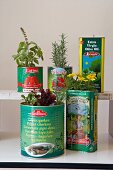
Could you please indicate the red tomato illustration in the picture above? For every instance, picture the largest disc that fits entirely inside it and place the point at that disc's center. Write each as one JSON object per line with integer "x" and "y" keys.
{"x": 32, "y": 82}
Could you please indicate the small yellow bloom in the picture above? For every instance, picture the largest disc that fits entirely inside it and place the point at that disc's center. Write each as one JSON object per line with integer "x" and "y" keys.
{"x": 78, "y": 75}
{"x": 81, "y": 78}
{"x": 91, "y": 76}
{"x": 85, "y": 80}
{"x": 73, "y": 75}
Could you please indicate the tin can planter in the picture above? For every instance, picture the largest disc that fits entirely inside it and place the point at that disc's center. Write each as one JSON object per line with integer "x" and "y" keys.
{"x": 42, "y": 131}
{"x": 56, "y": 77}
{"x": 29, "y": 79}
{"x": 81, "y": 121}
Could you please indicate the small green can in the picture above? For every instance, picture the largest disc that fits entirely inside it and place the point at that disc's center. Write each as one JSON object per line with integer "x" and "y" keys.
{"x": 29, "y": 79}
{"x": 81, "y": 121}
{"x": 42, "y": 131}
{"x": 56, "y": 79}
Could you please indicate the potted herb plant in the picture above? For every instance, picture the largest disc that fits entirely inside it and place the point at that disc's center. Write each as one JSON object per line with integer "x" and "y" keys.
{"x": 30, "y": 77}
{"x": 81, "y": 112}
{"x": 57, "y": 73}
{"x": 42, "y": 124}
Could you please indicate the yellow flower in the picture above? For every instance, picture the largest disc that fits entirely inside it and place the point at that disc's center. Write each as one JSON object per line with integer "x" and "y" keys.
{"x": 71, "y": 75}
{"x": 85, "y": 80}
{"x": 91, "y": 76}
{"x": 78, "y": 75}
{"x": 81, "y": 78}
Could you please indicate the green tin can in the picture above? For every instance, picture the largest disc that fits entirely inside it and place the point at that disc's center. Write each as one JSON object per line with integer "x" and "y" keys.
{"x": 42, "y": 131}
{"x": 81, "y": 121}
{"x": 56, "y": 79}
{"x": 29, "y": 79}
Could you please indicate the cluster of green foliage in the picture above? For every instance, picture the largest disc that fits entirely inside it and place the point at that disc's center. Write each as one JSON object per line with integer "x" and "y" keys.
{"x": 59, "y": 52}
{"x": 60, "y": 96}
{"x": 44, "y": 98}
{"x": 72, "y": 84}
{"x": 30, "y": 99}
{"x": 28, "y": 53}
{"x": 80, "y": 83}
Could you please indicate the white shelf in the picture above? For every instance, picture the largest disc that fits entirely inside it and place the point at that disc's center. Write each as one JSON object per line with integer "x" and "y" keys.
{"x": 10, "y": 95}
{"x": 14, "y": 95}
{"x": 10, "y": 151}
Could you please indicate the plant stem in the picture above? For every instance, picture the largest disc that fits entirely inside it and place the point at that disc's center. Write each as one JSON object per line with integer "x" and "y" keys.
{"x": 25, "y": 35}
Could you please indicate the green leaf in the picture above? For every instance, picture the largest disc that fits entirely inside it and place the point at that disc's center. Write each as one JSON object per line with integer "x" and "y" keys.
{"x": 26, "y": 62}
{"x": 33, "y": 100}
{"x": 31, "y": 65}
{"x": 30, "y": 58}
{"x": 34, "y": 49}
{"x": 21, "y": 46}
{"x": 17, "y": 61}
{"x": 23, "y": 51}
{"x": 39, "y": 53}
{"x": 36, "y": 61}
{"x": 32, "y": 43}
{"x": 15, "y": 56}
{"x": 23, "y": 96}
{"x": 31, "y": 54}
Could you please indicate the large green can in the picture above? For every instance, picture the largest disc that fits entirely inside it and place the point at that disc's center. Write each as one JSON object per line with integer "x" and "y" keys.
{"x": 29, "y": 79}
{"x": 81, "y": 121}
{"x": 42, "y": 131}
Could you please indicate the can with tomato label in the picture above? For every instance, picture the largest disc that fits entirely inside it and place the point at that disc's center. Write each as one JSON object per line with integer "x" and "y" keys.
{"x": 30, "y": 79}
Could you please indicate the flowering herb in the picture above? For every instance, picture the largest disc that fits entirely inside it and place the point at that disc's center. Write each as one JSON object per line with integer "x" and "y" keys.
{"x": 81, "y": 82}
{"x": 45, "y": 98}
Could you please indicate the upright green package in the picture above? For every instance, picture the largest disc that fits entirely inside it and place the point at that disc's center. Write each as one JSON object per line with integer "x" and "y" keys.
{"x": 81, "y": 121}
{"x": 91, "y": 59}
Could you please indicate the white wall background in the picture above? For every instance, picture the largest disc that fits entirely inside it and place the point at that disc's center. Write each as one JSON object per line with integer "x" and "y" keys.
{"x": 44, "y": 21}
